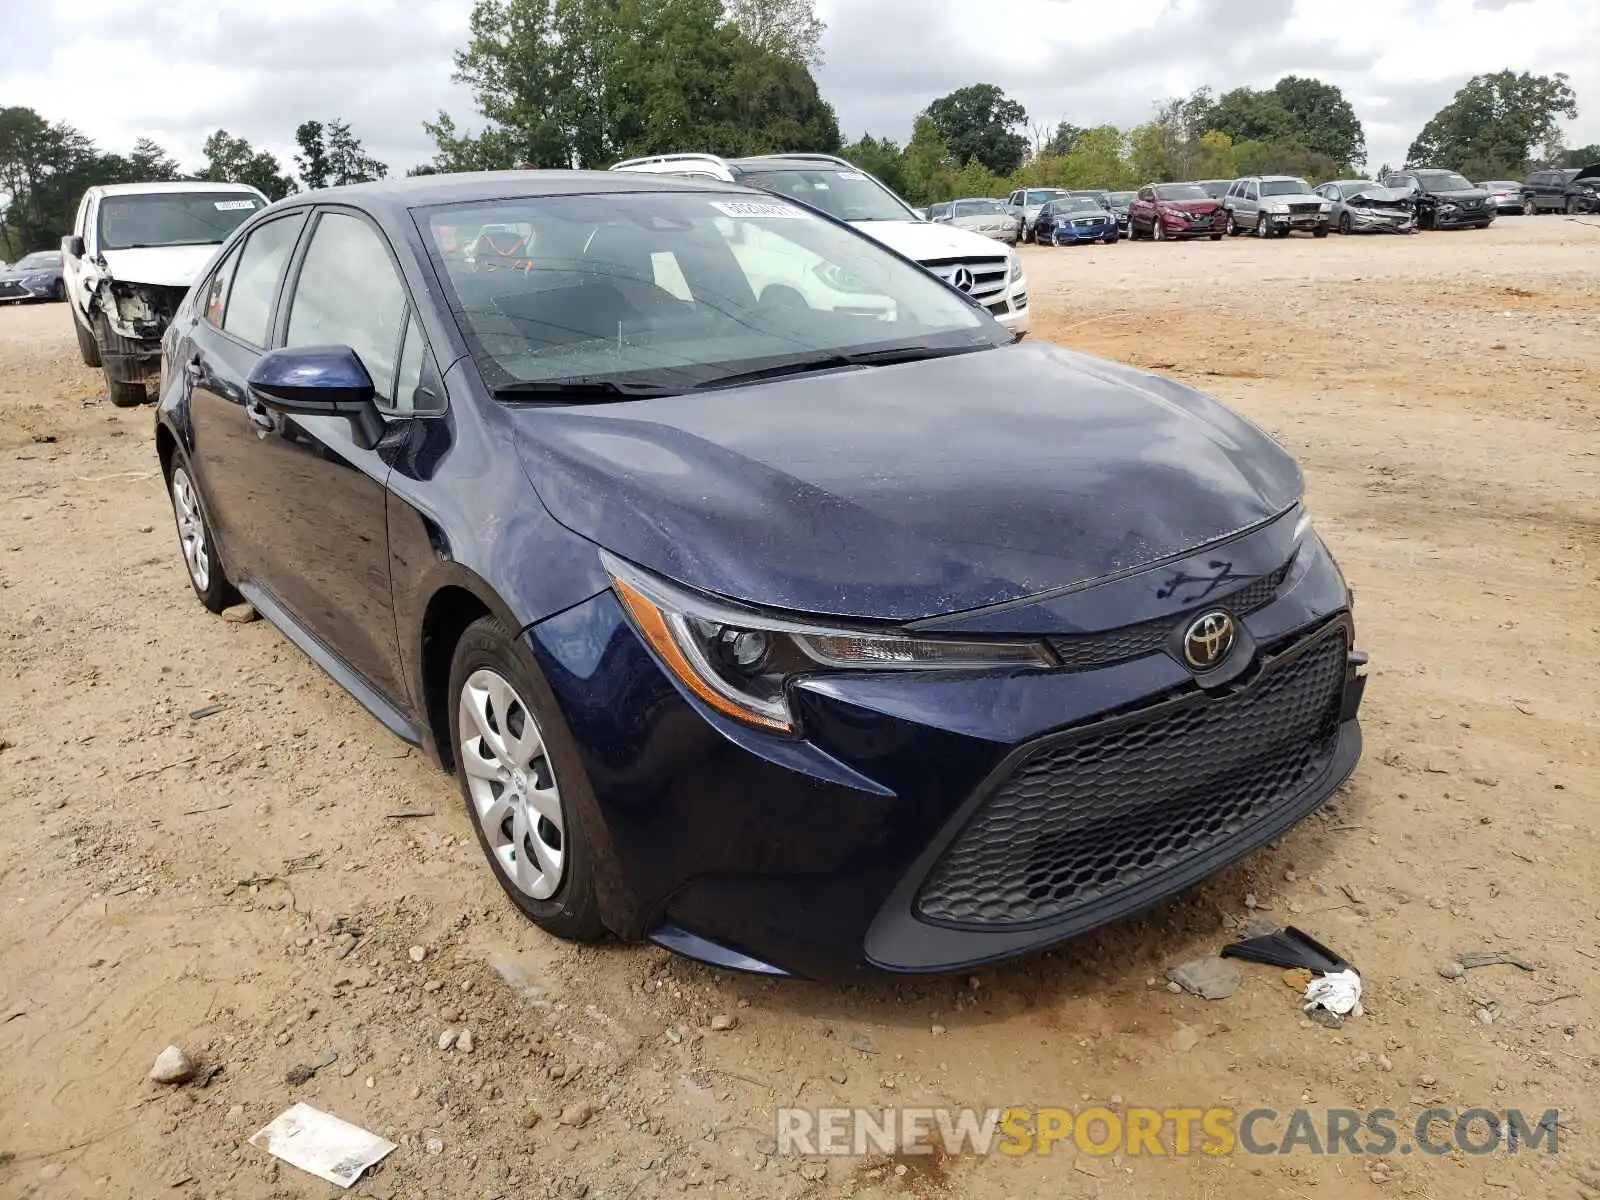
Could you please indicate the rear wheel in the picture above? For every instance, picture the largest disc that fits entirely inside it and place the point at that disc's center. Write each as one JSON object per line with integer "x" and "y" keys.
{"x": 1529, "y": 208}
{"x": 523, "y": 782}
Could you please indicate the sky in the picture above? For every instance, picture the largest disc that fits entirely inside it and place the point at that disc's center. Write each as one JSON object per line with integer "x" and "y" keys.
{"x": 175, "y": 70}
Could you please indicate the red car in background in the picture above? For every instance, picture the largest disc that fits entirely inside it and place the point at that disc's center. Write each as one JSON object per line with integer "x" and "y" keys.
{"x": 1176, "y": 210}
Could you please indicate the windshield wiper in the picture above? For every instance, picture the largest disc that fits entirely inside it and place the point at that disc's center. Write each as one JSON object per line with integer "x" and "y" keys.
{"x": 579, "y": 390}
{"x": 840, "y": 361}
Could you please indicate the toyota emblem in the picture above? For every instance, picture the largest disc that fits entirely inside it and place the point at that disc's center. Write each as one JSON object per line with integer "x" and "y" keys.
{"x": 963, "y": 279}
{"x": 1209, "y": 640}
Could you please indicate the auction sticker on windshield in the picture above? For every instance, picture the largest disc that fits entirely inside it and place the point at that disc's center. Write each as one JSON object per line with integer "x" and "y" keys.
{"x": 755, "y": 208}
{"x": 235, "y": 205}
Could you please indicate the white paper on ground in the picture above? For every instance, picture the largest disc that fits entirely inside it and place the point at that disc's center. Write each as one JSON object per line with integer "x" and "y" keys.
{"x": 324, "y": 1145}
{"x": 1338, "y": 992}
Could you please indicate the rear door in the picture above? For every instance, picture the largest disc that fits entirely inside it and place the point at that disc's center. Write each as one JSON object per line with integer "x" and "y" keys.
{"x": 231, "y": 329}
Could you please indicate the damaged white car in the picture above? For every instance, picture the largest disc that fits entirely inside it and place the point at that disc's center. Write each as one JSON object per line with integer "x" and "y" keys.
{"x": 132, "y": 255}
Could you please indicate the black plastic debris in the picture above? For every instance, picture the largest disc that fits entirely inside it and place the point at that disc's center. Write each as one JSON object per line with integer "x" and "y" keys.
{"x": 1288, "y": 948}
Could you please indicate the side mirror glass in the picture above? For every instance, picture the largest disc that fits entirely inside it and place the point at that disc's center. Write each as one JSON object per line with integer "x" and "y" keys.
{"x": 320, "y": 381}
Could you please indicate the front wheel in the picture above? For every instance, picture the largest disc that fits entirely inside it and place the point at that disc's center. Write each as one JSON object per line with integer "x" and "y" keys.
{"x": 1263, "y": 228}
{"x": 123, "y": 393}
{"x": 1111, "y": 240}
{"x": 523, "y": 782}
{"x": 195, "y": 540}
{"x": 1344, "y": 223}
{"x": 1529, "y": 208}
{"x": 1158, "y": 230}
{"x": 1320, "y": 231}
{"x": 88, "y": 348}
{"x": 1234, "y": 228}
{"x": 1572, "y": 206}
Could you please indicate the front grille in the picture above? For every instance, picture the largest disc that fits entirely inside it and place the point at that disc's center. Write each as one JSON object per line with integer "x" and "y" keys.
{"x": 989, "y": 275}
{"x": 1085, "y": 652}
{"x": 1100, "y": 813}
{"x": 1301, "y": 209}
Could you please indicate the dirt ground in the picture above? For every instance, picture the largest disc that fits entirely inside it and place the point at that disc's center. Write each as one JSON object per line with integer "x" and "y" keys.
{"x": 255, "y": 885}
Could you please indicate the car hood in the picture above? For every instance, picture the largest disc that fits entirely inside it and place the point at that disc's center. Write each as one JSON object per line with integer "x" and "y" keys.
{"x": 160, "y": 266}
{"x": 1293, "y": 198}
{"x": 989, "y": 221}
{"x": 909, "y": 491}
{"x": 1379, "y": 195}
{"x": 1461, "y": 194}
{"x": 1588, "y": 173}
{"x": 924, "y": 241}
{"x": 1194, "y": 206}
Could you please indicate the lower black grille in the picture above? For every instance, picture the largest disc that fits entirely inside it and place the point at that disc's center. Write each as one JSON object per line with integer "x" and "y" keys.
{"x": 1085, "y": 652}
{"x": 1111, "y": 808}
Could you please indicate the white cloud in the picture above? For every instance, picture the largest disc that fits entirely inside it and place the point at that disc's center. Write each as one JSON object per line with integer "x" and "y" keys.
{"x": 177, "y": 69}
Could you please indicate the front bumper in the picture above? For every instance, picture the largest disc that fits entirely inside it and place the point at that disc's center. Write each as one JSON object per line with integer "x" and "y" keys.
{"x": 12, "y": 290}
{"x": 1469, "y": 218}
{"x": 1086, "y": 233}
{"x": 1304, "y": 222}
{"x": 1012, "y": 309}
{"x": 1363, "y": 221}
{"x": 1182, "y": 227}
{"x": 813, "y": 855}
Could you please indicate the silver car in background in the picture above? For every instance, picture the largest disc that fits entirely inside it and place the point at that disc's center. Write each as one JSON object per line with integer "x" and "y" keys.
{"x": 1504, "y": 194}
{"x": 979, "y": 214}
{"x": 1365, "y": 206}
{"x": 1025, "y": 204}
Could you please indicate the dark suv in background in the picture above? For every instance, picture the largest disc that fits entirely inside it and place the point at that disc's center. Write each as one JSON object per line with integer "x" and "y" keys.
{"x": 1445, "y": 199}
{"x": 1562, "y": 189}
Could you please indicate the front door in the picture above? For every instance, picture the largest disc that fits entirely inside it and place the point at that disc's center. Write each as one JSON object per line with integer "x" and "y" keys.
{"x": 325, "y": 551}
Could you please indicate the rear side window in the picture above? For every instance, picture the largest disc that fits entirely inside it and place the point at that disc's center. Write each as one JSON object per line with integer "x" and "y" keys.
{"x": 349, "y": 294}
{"x": 215, "y": 300}
{"x": 255, "y": 282}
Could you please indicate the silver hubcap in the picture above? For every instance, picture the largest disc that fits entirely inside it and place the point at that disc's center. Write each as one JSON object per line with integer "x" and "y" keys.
{"x": 512, "y": 784}
{"x": 191, "y": 529}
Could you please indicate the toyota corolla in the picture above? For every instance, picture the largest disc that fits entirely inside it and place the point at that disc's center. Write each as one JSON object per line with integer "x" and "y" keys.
{"x": 766, "y": 599}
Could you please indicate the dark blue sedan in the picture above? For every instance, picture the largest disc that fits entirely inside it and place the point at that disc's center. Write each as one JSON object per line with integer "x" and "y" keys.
{"x": 1075, "y": 219}
{"x": 766, "y": 600}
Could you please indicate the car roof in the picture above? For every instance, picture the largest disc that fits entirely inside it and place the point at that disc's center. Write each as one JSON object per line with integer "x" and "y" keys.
{"x": 791, "y": 162}
{"x": 186, "y": 185}
{"x": 425, "y": 191}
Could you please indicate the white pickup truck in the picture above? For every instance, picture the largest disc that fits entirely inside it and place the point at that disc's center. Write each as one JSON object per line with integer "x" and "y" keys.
{"x": 132, "y": 254}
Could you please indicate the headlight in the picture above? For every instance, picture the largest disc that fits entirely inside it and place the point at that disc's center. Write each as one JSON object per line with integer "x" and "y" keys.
{"x": 1302, "y": 526}
{"x": 1278, "y": 209}
{"x": 1016, "y": 267}
{"x": 740, "y": 661}
{"x": 1327, "y": 206}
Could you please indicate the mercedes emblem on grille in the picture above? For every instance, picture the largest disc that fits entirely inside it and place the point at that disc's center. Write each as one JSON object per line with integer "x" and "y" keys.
{"x": 1209, "y": 640}
{"x": 963, "y": 279}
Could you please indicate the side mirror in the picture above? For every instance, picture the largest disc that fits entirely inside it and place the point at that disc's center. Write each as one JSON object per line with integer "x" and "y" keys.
{"x": 320, "y": 381}
{"x": 72, "y": 247}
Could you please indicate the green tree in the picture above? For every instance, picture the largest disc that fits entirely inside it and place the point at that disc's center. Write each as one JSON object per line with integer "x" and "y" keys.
{"x": 1246, "y": 115}
{"x": 1322, "y": 120}
{"x": 1147, "y": 154}
{"x": 312, "y": 161}
{"x": 150, "y": 163}
{"x": 1098, "y": 159}
{"x": 928, "y": 168}
{"x": 975, "y": 179}
{"x": 1583, "y": 156}
{"x": 44, "y": 170}
{"x": 981, "y": 122}
{"x": 787, "y": 28}
{"x": 232, "y": 159}
{"x": 567, "y": 83}
{"x": 1218, "y": 159}
{"x": 1061, "y": 140}
{"x": 1492, "y": 127}
{"x": 883, "y": 159}
{"x": 348, "y": 160}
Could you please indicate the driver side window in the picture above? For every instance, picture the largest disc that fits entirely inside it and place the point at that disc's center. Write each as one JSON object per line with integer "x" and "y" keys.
{"x": 349, "y": 294}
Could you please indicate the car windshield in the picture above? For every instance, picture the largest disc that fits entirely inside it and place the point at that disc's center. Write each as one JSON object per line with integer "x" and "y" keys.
{"x": 1356, "y": 186}
{"x": 1121, "y": 198}
{"x": 837, "y": 191}
{"x": 1499, "y": 185}
{"x": 44, "y": 260}
{"x": 980, "y": 208}
{"x": 633, "y": 292}
{"x": 1283, "y": 187}
{"x": 1216, "y": 188}
{"x": 1043, "y": 195}
{"x": 1443, "y": 181}
{"x": 173, "y": 218}
{"x": 1181, "y": 191}
{"x": 1079, "y": 204}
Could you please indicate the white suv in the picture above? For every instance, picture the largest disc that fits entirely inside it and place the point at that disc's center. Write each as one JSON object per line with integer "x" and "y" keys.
{"x": 975, "y": 264}
{"x": 131, "y": 256}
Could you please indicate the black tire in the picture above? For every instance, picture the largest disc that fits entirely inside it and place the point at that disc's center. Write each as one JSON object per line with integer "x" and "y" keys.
{"x": 88, "y": 348}
{"x": 1320, "y": 231}
{"x": 216, "y": 591}
{"x": 1158, "y": 232}
{"x": 122, "y": 392}
{"x": 1263, "y": 227}
{"x": 1112, "y": 240}
{"x": 1572, "y": 206}
{"x": 1216, "y": 237}
{"x": 573, "y": 911}
{"x": 1344, "y": 223}
{"x": 1234, "y": 228}
{"x": 59, "y": 292}
{"x": 1529, "y": 208}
